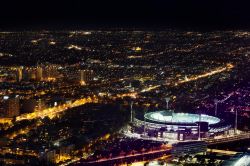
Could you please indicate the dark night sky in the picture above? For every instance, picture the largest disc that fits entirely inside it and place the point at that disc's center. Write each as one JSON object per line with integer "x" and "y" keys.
{"x": 22, "y": 14}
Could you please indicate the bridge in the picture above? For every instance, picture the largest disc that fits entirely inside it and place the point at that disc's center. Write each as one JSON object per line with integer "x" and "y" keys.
{"x": 225, "y": 139}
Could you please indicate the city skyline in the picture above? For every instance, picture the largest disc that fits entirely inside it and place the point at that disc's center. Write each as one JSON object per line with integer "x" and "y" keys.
{"x": 125, "y": 83}
{"x": 66, "y": 96}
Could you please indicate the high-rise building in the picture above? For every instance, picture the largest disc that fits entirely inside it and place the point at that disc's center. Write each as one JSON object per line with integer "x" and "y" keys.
{"x": 26, "y": 74}
{"x": 86, "y": 76}
{"x": 39, "y": 74}
{"x": 19, "y": 74}
{"x": 32, "y": 75}
{"x": 11, "y": 106}
{"x": 50, "y": 72}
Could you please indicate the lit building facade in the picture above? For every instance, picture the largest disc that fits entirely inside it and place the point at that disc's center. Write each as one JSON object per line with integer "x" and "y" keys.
{"x": 166, "y": 125}
{"x": 86, "y": 76}
{"x": 39, "y": 74}
{"x": 11, "y": 106}
{"x": 19, "y": 74}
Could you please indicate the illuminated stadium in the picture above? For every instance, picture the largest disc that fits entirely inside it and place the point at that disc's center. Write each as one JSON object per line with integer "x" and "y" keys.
{"x": 167, "y": 125}
{"x": 179, "y": 118}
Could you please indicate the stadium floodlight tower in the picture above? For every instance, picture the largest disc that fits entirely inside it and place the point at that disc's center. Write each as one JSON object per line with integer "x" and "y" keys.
{"x": 236, "y": 122}
{"x": 236, "y": 118}
{"x": 144, "y": 126}
{"x": 199, "y": 137}
{"x": 167, "y": 99}
{"x": 216, "y": 101}
{"x": 131, "y": 112}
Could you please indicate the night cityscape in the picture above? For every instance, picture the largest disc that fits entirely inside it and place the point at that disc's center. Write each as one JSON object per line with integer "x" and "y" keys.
{"x": 149, "y": 86}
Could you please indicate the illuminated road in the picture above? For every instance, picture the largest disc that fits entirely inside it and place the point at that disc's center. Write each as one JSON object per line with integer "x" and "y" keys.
{"x": 229, "y": 66}
{"x": 129, "y": 157}
{"x": 218, "y": 70}
{"x": 226, "y": 98}
{"x": 5, "y": 120}
{"x": 227, "y": 152}
{"x": 23, "y": 130}
{"x": 151, "y": 161}
{"x": 51, "y": 112}
{"x": 17, "y": 151}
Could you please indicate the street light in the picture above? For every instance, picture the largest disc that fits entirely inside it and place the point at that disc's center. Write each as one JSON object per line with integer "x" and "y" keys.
{"x": 131, "y": 112}
{"x": 199, "y": 125}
